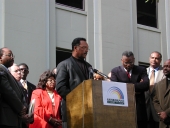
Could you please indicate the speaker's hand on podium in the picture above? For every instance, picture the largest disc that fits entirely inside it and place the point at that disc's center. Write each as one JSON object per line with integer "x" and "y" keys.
{"x": 98, "y": 77}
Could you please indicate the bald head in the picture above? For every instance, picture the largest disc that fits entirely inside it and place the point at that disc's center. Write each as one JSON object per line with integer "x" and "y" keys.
{"x": 6, "y": 57}
{"x": 166, "y": 68}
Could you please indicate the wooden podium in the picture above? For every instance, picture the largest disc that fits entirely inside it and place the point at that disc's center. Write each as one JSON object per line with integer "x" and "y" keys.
{"x": 85, "y": 108}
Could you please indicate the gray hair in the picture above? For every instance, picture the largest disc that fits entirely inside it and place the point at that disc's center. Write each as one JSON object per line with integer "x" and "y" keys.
{"x": 11, "y": 66}
{"x": 158, "y": 53}
{"x": 127, "y": 53}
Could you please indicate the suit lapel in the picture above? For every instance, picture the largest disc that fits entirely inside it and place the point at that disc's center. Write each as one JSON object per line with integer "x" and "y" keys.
{"x": 77, "y": 69}
{"x": 123, "y": 75}
{"x": 168, "y": 88}
{"x": 47, "y": 98}
{"x": 148, "y": 69}
{"x": 134, "y": 75}
{"x": 160, "y": 75}
{"x": 28, "y": 89}
{"x": 56, "y": 98}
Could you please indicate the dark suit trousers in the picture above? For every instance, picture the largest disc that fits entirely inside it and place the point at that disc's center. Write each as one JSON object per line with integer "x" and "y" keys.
{"x": 142, "y": 124}
{"x": 152, "y": 124}
{"x": 3, "y": 126}
{"x": 64, "y": 124}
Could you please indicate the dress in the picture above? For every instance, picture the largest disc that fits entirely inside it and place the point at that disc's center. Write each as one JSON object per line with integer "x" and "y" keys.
{"x": 44, "y": 108}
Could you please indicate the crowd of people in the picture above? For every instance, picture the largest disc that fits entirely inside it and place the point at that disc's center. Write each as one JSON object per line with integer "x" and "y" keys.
{"x": 152, "y": 90}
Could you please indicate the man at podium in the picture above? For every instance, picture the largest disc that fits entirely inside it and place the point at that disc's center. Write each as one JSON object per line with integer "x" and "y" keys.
{"x": 130, "y": 73}
{"x": 72, "y": 71}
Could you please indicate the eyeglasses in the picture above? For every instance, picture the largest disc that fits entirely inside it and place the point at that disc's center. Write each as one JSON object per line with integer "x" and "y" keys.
{"x": 23, "y": 69}
{"x": 9, "y": 55}
{"x": 126, "y": 63}
{"x": 50, "y": 80}
{"x": 84, "y": 47}
{"x": 17, "y": 70}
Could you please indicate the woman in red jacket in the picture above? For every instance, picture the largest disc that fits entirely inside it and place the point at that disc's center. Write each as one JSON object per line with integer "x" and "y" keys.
{"x": 47, "y": 103}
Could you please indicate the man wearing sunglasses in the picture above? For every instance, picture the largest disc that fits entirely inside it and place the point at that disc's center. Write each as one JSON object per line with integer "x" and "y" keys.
{"x": 28, "y": 87}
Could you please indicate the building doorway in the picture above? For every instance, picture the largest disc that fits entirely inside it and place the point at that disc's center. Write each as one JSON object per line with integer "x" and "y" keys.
{"x": 62, "y": 54}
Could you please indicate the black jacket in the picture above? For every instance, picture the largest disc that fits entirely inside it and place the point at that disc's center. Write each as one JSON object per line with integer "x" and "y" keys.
{"x": 69, "y": 76}
{"x": 12, "y": 99}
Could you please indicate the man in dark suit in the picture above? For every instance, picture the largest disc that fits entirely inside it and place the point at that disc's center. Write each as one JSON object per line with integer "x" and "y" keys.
{"x": 72, "y": 71}
{"x": 130, "y": 73}
{"x": 161, "y": 97}
{"x": 16, "y": 73}
{"x": 156, "y": 71}
{"x": 13, "y": 105}
{"x": 28, "y": 87}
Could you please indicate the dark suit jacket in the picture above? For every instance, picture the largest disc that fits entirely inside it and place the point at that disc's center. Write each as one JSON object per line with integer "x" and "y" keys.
{"x": 28, "y": 92}
{"x": 30, "y": 89}
{"x": 161, "y": 101}
{"x": 149, "y": 96}
{"x": 12, "y": 99}
{"x": 118, "y": 74}
{"x": 69, "y": 75}
{"x": 27, "y": 95}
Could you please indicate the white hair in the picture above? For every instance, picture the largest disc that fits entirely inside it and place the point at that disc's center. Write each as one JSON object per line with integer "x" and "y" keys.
{"x": 14, "y": 64}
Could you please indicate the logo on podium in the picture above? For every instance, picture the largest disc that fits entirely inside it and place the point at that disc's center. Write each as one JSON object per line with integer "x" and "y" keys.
{"x": 114, "y": 93}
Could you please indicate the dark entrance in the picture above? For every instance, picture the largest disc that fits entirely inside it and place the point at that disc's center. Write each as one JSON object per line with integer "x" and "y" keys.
{"x": 62, "y": 54}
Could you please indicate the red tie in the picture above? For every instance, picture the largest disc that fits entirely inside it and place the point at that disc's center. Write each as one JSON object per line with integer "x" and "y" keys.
{"x": 128, "y": 75}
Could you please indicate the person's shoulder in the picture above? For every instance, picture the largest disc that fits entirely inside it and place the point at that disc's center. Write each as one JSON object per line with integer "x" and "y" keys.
{"x": 148, "y": 68}
{"x": 64, "y": 62}
{"x": 138, "y": 67}
{"x": 38, "y": 91}
{"x": 160, "y": 68}
{"x": 30, "y": 84}
{"x": 162, "y": 81}
{"x": 2, "y": 72}
{"x": 116, "y": 68}
{"x": 2, "y": 69}
{"x": 56, "y": 93}
{"x": 88, "y": 64}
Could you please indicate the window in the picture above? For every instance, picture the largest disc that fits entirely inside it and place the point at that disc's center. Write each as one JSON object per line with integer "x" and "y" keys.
{"x": 143, "y": 64}
{"x": 147, "y": 13}
{"x": 62, "y": 54}
{"x": 79, "y": 4}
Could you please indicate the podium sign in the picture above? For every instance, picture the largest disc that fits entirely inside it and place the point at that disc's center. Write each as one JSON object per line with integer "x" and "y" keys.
{"x": 114, "y": 93}
{"x": 86, "y": 109}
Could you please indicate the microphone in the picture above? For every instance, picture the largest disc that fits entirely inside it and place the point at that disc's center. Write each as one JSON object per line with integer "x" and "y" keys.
{"x": 90, "y": 72}
{"x": 105, "y": 76}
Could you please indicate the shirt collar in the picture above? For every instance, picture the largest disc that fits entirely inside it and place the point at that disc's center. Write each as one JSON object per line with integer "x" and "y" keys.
{"x": 23, "y": 81}
{"x": 156, "y": 69}
{"x": 129, "y": 71}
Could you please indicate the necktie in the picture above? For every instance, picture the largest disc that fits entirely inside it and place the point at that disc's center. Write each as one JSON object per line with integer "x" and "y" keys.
{"x": 128, "y": 75}
{"x": 152, "y": 79}
{"x": 24, "y": 84}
